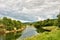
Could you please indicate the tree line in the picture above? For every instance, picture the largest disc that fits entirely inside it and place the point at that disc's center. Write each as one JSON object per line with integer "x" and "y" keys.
{"x": 9, "y": 24}
{"x": 46, "y": 23}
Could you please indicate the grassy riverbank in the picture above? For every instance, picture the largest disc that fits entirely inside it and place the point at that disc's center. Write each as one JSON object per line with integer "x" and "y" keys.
{"x": 53, "y": 35}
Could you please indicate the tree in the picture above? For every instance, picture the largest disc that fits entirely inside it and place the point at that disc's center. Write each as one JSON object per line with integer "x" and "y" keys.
{"x": 58, "y": 19}
{"x": 4, "y": 20}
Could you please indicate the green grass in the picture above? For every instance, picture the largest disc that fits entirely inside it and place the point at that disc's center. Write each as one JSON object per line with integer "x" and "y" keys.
{"x": 53, "y": 35}
{"x": 50, "y": 27}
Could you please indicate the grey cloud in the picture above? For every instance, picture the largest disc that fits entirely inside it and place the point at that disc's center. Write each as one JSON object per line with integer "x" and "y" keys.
{"x": 30, "y": 9}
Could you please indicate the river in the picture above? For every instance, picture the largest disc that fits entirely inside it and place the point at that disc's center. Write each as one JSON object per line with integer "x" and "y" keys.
{"x": 28, "y": 32}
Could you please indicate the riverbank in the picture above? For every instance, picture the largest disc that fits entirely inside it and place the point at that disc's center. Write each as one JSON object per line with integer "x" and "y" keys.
{"x": 4, "y": 31}
{"x": 53, "y": 35}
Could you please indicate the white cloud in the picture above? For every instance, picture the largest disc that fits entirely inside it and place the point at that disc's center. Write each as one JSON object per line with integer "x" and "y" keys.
{"x": 41, "y": 8}
{"x": 2, "y": 5}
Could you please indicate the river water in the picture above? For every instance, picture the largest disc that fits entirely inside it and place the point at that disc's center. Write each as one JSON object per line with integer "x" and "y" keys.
{"x": 28, "y": 32}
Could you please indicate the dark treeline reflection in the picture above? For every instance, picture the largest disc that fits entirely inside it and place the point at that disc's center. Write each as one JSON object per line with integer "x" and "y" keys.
{"x": 10, "y": 36}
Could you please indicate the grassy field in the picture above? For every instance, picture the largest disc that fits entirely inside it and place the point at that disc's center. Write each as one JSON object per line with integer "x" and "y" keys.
{"x": 53, "y": 35}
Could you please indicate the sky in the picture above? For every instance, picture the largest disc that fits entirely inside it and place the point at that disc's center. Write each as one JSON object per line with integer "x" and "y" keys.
{"x": 29, "y": 10}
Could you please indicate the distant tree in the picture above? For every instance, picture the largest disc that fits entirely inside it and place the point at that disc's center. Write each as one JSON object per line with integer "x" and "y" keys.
{"x": 55, "y": 23}
{"x": 5, "y": 20}
{"x": 39, "y": 28}
{"x": 58, "y": 19}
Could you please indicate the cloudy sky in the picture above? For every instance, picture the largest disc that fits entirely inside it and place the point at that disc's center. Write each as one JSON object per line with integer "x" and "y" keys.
{"x": 29, "y": 10}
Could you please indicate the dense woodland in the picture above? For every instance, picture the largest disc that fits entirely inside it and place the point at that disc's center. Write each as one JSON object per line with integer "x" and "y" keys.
{"x": 9, "y": 24}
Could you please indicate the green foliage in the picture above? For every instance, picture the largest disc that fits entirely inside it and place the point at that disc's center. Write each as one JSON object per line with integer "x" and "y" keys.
{"x": 45, "y": 23}
{"x": 10, "y": 24}
{"x": 48, "y": 22}
{"x": 58, "y": 19}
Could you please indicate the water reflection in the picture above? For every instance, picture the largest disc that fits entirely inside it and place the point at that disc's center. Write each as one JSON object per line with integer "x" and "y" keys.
{"x": 10, "y": 36}
{"x": 28, "y": 32}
